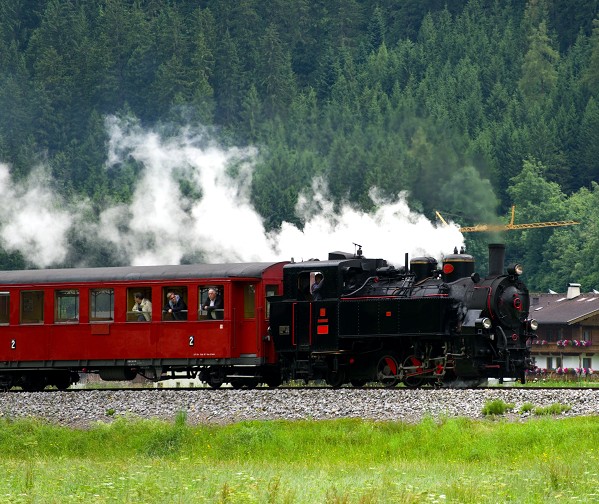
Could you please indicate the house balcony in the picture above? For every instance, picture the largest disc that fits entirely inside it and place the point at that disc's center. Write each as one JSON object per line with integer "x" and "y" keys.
{"x": 564, "y": 346}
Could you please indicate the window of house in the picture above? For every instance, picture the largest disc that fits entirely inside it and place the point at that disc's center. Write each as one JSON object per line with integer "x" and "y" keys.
{"x": 586, "y": 335}
{"x": 249, "y": 301}
{"x": 66, "y": 305}
{"x": 139, "y": 304}
{"x": 271, "y": 290}
{"x": 4, "y": 307}
{"x": 101, "y": 305}
{"x": 586, "y": 362}
{"x": 175, "y": 303}
{"x": 549, "y": 362}
{"x": 212, "y": 305}
{"x": 558, "y": 362}
{"x": 32, "y": 307}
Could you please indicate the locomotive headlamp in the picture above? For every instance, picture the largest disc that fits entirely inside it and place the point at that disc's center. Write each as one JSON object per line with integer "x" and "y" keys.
{"x": 533, "y": 325}
{"x": 515, "y": 269}
{"x": 484, "y": 322}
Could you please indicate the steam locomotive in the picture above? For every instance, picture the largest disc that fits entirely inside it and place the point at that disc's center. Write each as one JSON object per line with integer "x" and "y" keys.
{"x": 418, "y": 324}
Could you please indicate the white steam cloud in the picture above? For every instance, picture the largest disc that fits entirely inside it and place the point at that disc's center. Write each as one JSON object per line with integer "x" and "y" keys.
{"x": 163, "y": 226}
{"x": 32, "y": 219}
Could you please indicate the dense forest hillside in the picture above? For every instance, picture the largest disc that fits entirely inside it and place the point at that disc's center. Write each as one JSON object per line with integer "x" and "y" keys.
{"x": 466, "y": 107}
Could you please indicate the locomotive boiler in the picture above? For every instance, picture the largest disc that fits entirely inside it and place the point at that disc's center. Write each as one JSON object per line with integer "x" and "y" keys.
{"x": 418, "y": 324}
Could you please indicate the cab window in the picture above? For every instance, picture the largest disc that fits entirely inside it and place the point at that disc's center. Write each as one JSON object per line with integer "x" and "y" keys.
{"x": 32, "y": 307}
{"x": 101, "y": 305}
{"x": 305, "y": 283}
{"x": 175, "y": 303}
{"x": 66, "y": 305}
{"x": 212, "y": 306}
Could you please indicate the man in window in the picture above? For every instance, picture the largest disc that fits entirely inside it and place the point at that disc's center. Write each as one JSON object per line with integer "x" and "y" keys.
{"x": 213, "y": 305}
{"x": 143, "y": 307}
{"x": 175, "y": 306}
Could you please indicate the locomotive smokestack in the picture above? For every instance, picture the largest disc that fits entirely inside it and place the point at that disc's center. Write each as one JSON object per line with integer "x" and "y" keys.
{"x": 496, "y": 258}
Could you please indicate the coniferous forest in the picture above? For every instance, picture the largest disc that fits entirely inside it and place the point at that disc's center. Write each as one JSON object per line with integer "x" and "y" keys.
{"x": 467, "y": 107}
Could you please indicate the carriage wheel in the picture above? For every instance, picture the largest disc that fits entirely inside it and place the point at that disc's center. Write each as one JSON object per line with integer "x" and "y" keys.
{"x": 386, "y": 370}
{"x": 215, "y": 378}
{"x": 413, "y": 381}
{"x": 63, "y": 381}
{"x": 34, "y": 383}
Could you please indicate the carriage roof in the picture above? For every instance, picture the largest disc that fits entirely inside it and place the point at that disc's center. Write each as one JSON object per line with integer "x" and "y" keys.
{"x": 135, "y": 273}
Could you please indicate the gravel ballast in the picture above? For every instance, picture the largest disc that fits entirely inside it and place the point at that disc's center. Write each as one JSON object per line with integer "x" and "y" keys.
{"x": 85, "y": 407}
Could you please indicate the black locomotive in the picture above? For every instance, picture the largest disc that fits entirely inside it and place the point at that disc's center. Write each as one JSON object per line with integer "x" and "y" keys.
{"x": 418, "y": 324}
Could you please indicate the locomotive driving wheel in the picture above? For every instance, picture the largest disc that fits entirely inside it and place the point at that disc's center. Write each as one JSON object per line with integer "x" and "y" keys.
{"x": 335, "y": 378}
{"x": 386, "y": 370}
{"x": 413, "y": 379}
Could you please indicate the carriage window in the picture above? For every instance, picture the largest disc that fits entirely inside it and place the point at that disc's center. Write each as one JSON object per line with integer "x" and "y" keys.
{"x": 139, "y": 304}
{"x": 66, "y": 306}
{"x": 4, "y": 306}
{"x": 212, "y": 305}
{"x": 101, "y": 305}
{"x": 175, "y": 303}
{"x": 271, "y": 290}
{"x": 249, "y": 301}
{"x": 32, "y": 307}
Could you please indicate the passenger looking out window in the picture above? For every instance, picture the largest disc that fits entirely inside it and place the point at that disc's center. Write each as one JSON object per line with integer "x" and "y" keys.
{"x": 213, "y": 305}
{"x": 175, "y": 307}
{"x": 142, "y": 308}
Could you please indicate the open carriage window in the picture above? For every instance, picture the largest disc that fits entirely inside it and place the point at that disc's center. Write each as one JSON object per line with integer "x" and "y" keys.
{"x": 32, "y": 307}
{"x": 175, "y": 303}
{"x": 66, "y": 305}
{"x": 139, "y": 304}
{"x": 4, "y": 307}
{"x": 101, "y": 305}
{"x": 212, "y": 306}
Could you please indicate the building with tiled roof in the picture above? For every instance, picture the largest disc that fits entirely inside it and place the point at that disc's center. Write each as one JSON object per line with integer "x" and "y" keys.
{"x": 568, "y": 334}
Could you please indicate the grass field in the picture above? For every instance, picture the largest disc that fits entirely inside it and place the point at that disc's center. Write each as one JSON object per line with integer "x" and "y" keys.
{"x": 544, "y": 459}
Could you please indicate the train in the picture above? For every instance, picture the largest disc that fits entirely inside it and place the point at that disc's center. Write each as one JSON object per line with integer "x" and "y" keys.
{"x": 420, "y": 324}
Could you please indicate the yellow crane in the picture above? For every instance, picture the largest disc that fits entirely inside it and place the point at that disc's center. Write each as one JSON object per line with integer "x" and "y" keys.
{"x": 511, "y": 225}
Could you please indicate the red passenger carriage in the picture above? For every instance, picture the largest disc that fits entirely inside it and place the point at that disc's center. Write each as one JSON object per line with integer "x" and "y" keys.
{"x": 55, "y": 324}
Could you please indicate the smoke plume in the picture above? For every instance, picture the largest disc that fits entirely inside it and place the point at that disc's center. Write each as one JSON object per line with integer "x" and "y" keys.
{"x": 214, "y": 222}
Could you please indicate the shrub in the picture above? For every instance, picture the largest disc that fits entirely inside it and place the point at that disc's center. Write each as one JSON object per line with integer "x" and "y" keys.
{"x": 554, "y": 409}
{"x": 496, "y": 407}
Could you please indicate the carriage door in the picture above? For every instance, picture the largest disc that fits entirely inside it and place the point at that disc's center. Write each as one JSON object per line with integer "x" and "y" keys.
{"x": 245, "y": 332}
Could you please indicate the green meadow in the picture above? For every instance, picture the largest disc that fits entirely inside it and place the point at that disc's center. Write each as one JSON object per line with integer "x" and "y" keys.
{"x": 543, "y": 459}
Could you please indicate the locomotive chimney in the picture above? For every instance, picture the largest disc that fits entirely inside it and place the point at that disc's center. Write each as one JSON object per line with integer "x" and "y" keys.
{"x": 496, "y": 258}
